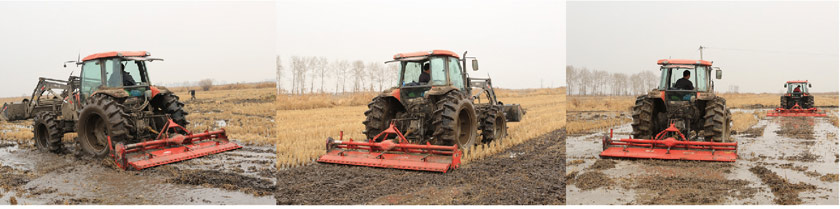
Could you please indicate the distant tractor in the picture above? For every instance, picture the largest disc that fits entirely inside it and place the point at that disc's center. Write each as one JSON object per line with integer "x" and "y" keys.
{"x": 435, "y": 109}
{"x": 681, "y": 119}
{"x": 797, "y": 93}
{"x": 797, "y": 102}
{"x": 116, "y": 112}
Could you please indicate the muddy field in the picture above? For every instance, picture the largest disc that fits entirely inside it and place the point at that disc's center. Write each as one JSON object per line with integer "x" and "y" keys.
{"x": 528, "y": 173}
{"x": 31, "y": 177}
{"x": 781, "y": 161}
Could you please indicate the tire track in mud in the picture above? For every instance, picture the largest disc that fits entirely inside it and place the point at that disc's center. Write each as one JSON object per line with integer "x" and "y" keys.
{"x": 805, "y": 147}
{"x": 528, "y": 173}
{"x": 235, "y": 177}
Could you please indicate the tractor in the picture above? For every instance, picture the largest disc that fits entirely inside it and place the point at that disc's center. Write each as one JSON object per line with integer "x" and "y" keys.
{"x": 797, "y": 102}
{"x": 797, "y": 93}
{"x": 116, "y": 112}
{"x": 676, "y": 114}
{"x": 435, "y": 106}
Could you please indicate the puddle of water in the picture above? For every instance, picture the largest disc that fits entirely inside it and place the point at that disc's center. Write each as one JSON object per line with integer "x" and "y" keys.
{"x": 65, "y": 178}
{"x": 822, "y": 143}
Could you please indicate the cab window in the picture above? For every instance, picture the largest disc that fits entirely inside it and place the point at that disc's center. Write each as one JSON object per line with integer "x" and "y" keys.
{"x": 91, "y": 77}
{"x": 455, "y": 73}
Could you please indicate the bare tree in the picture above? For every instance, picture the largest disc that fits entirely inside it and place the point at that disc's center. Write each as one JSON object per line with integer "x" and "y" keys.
{"x": 392, "y": 72}
{"x": 358, "y": 75}
{"x": 279, "y": 78}
{"x": 320, "y": 67}
{"x": 205, "y": 84}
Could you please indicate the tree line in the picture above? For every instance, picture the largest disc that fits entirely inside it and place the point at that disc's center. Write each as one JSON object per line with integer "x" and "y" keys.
{"x": 316, "y": 74}
{"x": 583, "y": 81}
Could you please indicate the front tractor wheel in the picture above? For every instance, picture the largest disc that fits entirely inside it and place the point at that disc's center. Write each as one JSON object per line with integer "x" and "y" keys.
{"x": 643, "y": 121}
{"x": 47, "y": 133}
{"x": 493, "y": 125}
{"x": 455, "y": 121}
{"x": 101, "y": 117}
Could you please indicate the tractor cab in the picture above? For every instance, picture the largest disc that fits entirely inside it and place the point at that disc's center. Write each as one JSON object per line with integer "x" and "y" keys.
{"x": 676, "y": 88}
{"x": 797, "y": 88}
{"x": 116, "y": 70}
{"x": 423, "y": 71}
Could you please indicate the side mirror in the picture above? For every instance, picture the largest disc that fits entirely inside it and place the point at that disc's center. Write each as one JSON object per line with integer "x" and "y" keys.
{"x": 475, "y": 65}
{"x": 718, "y": 73}
{"x": 785, "y": 85}
{"x": 809, "y": 85}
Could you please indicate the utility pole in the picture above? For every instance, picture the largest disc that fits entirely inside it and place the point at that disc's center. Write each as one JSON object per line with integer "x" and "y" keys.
{"x": 701, "y": 52}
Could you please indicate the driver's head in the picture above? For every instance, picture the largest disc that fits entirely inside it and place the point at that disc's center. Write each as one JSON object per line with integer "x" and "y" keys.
{"x": 686, "y": 74}
{"x": 425, "y": 67}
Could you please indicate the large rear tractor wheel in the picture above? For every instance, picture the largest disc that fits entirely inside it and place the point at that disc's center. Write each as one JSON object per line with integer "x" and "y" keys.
{"x": 169, "y": 103}
{"x": 47, "y": 133}
{"x": 378, "y": 117}
{"x": 101, "y": 117}
{"x": 783, "y": 102}
{"x": 717, "y": 120}
{"x": 809, "y": 102}
{"x": 493, "y": 125}
{"x": 454, "y": 120}
{"x": 643, "y": 120}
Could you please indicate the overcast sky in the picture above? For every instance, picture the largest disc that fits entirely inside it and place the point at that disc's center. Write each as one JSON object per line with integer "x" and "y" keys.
{"x": 759, "y": 45}
{"x": 225, "y": 41}
{"x": 519, "y": 43}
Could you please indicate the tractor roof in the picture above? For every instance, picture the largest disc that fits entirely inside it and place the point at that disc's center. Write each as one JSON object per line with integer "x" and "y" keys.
{"x": 684, "y": 62}
{"x": 116, "y": 54}
{"x": 426, "y": 53}
{"x": 800, "y": 81}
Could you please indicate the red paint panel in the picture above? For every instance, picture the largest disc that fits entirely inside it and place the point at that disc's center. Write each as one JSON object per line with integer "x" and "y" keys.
{"x": 115, "y": 54}
{"x": 426, "y": 53}
{"x": 659, "y": 153}
{"x": 434, "y": 163}
{"x": 683, "y": 62}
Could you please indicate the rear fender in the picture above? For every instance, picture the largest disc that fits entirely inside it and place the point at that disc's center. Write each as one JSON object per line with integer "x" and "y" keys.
{"x": 114, "y": 92}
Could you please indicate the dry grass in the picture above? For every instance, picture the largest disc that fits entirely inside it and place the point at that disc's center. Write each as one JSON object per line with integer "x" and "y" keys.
{"x": 247, "y": 113}
{"x": 741, "y": 121}
{"x": 304, "y": 125}
{"x": 601, "y": 103}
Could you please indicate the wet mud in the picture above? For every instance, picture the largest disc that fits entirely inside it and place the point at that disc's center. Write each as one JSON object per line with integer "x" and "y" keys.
{"x": 781, "y": 161}
{"x": 32, "y": 177}
{"x": 528, "y": 173}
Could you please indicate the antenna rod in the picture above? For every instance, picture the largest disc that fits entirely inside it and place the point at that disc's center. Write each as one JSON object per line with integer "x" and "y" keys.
{"x": 701, "y": 52}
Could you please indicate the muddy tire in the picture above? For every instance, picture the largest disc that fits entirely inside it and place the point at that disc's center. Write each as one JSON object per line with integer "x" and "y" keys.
{"x": 493, "y": 125}
{"x": 47, "y": 133}
{"x": 454, "y": 121}
{"x": 378, "y": 117}
{"x": 783, "y": 102}
{"x": 169, "y": 103}
{"x": 717, "y": 120}
{"x": 808, "y": 102}
{"x": 643, "y": 120}
{"x": 101, "y": 117}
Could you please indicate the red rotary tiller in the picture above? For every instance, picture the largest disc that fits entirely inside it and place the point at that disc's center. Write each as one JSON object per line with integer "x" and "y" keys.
{"x": 796, "y": 111}
{"x": 669, "y": 144}
{"x": 388, "y": 154}
{"x": 167, "y": 149}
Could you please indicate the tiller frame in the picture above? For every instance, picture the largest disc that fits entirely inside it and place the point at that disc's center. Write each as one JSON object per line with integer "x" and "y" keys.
{"x": 670, "y": 144}
{"x": 167, "y": 149}
{"x": 387, "y": 154}
{"x": 796, "y": 111}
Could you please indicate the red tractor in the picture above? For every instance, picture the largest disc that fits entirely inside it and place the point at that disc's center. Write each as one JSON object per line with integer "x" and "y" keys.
{"x": 682, "y": 119}
{"x": 117, "y": 112}
{"x": 797, "y": 101}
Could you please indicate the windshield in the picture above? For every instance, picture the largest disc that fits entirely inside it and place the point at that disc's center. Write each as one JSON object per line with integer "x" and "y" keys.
{"x": 412, "y": 75}
{"x": 698, "y": 82}
{"x": 803, "y": 88}
{"x": 120, "y": 72}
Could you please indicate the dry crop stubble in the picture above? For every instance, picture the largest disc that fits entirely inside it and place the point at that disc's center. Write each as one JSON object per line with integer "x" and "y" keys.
{"x": 302, "y": 127}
